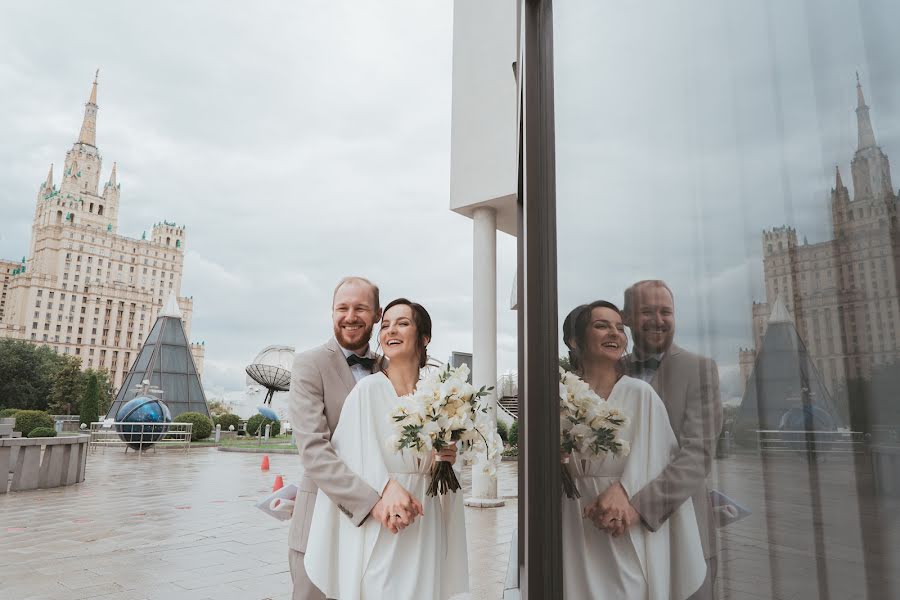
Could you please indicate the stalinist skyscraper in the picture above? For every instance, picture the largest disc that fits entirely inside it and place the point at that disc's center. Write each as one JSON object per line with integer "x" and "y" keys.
{"x": 83, "y": 289}
{"x": 842, "y": 294}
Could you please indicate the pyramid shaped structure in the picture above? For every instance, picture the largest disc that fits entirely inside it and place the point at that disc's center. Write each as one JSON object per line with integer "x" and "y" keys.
{"x": 165, "y": 360}
{"x": 785, "y": 390}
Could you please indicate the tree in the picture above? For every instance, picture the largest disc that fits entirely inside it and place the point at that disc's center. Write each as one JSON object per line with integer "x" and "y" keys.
{"x": 68, "y": 387}
{"x": 26, "y": 374}
{"x": 89, "y": 409}
{"x": 217, "y": 407}
{"x": 107, "y": 392}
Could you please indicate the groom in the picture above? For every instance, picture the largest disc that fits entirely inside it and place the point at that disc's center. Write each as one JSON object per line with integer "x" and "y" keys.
{"x": 688, "y": 385}
{"x": 320, "y": 382}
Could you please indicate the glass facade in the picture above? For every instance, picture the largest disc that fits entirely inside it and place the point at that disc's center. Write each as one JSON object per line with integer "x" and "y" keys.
{"x": 723, "y": 181}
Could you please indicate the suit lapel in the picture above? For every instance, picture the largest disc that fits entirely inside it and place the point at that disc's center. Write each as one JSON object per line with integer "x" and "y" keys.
{"x": 338, "y": 362}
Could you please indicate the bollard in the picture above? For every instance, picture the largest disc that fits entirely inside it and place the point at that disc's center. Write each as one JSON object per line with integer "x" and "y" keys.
{"x": 268, "y": 430}
{"x": 218, "y": 432}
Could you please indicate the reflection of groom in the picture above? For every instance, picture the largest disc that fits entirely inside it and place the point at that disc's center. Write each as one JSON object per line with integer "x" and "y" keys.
{"x": 689, "y": 387}
{"x": 320, "y": 382}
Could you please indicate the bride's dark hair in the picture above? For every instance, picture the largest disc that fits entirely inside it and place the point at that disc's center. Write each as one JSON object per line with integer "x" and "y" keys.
{"x": 423, "y": 328}
{"x": 576, "y": 325}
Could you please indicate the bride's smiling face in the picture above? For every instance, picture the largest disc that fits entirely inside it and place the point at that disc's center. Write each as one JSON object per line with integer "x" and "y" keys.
{"x": 398, "y": 335}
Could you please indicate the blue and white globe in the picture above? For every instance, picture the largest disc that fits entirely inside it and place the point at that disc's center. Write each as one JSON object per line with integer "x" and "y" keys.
{"x": 150, "y": 418}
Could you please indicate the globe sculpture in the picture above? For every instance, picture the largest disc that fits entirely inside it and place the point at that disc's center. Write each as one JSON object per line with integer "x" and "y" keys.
{"x": 807, "y": 418}
{"x": 143, "y": 421}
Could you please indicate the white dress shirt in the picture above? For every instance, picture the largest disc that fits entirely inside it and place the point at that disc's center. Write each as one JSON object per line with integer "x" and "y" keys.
{"x": 358, "y": 370}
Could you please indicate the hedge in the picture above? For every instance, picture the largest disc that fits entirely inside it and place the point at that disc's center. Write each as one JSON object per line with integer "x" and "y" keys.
{"x": 26, "y": 420}
{"x": 8, "y": 412}
{"x": 39, "y": 432}
{"x": 227, "y": 420}
{"x": 502, "y": 431}
{"x": 514, "y": 434}
{"x": 202, "y": 425}
{"x": 258, "y": 421}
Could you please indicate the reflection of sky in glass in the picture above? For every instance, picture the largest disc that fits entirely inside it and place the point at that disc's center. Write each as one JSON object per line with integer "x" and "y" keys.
{"x": 685, "y": 129}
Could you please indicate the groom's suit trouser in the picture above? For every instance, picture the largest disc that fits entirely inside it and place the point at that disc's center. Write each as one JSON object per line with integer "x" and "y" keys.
{"x": 303, "y": 587}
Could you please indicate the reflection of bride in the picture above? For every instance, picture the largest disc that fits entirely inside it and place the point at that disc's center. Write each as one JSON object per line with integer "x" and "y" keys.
{"x": 428, "y": 558}
{"x": 665, "y": 564}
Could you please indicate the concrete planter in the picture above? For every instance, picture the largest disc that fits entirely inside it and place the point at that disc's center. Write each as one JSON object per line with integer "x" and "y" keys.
{"x": 42, "y": 462}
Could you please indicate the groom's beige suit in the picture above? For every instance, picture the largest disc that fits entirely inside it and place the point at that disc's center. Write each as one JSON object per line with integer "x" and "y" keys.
{"x": 320, "y": 383}
{"x": 688, "y": 385}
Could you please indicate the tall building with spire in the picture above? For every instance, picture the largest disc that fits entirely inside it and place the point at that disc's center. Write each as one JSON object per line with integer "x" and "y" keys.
{"x": 843, "y": 293}
{"x": 83, "y": 289}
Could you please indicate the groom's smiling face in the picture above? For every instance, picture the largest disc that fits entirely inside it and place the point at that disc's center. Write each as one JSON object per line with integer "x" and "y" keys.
{"x": 354, "y": 315}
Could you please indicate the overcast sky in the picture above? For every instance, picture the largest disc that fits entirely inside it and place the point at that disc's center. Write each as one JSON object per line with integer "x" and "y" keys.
{"x": 297, "y": 142}
{"x": 302, "y": 143}
{"x": 684, "y": 129}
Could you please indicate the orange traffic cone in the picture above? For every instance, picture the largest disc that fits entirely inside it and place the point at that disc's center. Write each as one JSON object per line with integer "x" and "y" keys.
{"x": 265, "y": 463}
{"x": 279, "y": 483}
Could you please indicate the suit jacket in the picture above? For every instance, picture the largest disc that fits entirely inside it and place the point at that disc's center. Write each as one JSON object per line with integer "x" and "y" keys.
{"x": 320, "y": 382}
{"x": 689, "y": 387}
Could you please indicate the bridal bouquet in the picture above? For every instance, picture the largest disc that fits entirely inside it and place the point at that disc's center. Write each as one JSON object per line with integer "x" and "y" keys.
{"x": 587, "y": 425}
{"x": 441, "y": 411}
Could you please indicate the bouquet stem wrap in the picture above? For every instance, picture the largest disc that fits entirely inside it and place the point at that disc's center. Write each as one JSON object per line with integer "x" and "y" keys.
{"x": 443, "y": 479}
{"x": 568, "y": 482}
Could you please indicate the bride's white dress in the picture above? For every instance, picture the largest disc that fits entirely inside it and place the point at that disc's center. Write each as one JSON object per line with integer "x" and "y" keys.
{"x": 667, "y": 564}
{"x": 425, "y": 560}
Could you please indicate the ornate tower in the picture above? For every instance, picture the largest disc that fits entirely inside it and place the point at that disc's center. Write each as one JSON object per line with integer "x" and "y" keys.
{"x": 870, "y": 167}
{"x": 840, "y": 204}
{"x": 82, "y": 170}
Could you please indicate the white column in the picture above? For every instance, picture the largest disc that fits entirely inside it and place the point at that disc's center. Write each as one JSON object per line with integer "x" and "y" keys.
{"x": 484, "y": 337}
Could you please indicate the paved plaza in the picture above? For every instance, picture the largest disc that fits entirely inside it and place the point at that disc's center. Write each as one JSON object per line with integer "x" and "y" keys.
{"x": 183, "y": 526}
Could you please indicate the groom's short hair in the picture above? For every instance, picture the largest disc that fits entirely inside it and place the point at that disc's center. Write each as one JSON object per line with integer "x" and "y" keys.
{"x": 631, "y": 294}
{"x": 376, "y": 301}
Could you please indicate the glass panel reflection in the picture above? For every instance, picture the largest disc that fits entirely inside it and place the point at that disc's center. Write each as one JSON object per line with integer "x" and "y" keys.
{"x": 724, "y": 181}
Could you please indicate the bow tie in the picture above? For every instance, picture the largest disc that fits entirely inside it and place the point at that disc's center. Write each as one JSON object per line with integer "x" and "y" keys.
{"x": 650, "y": 364}
{"x": 365, "y": 361}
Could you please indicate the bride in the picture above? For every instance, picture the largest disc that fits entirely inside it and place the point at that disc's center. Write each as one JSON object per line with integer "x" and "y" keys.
{"x": 419, "y": 557}
{"x": 667, "y": 564}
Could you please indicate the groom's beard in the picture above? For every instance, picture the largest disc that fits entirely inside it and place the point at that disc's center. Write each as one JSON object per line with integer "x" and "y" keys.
{"x": 354, "y": 346}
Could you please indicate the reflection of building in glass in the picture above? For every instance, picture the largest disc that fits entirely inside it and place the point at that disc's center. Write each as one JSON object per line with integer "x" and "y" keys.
{"x": 86, "y": 290}
{"x": 843, "y": 293}
{"x": 783, "y": 384}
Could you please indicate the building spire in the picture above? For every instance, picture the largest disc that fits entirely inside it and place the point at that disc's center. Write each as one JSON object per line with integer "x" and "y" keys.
{"x": 863, "y": 120}
{"x": 88, "y": 133}
{"x": 112, "y": 177}
{"x": 48, "y": 184}
{"x": 838, "y": 184}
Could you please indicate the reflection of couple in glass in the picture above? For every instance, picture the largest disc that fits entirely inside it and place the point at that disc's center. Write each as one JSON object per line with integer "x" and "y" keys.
{"x": 641, "y": 528}
{"x": 363, "y": 525}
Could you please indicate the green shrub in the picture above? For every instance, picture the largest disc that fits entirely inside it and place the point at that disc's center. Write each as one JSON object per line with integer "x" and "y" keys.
{"x": 202, "y": 425}
{"x": 8, "y": 412}
{"x": 258, "y": 422}
{"x": 227, "y": 420}
{"x": 89, "y": 408}
{"x": 26, "y": 420}
{"x": 42, "y": 432}
{"x": 502, "y": 431}
{"x": 513, "y": 437}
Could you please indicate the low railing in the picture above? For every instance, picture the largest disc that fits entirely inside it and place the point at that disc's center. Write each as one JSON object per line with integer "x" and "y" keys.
{"x": 814, "y": 442}
{"x": 140, "y": 436}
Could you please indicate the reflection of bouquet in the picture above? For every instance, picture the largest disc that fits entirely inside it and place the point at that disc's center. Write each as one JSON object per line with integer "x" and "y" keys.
{"x": 587, "y": 425}
{"x": 441, "y": 411}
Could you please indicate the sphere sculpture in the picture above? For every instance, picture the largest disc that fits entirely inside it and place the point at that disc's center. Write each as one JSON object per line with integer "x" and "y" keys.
{"x": 150, "y": 418}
